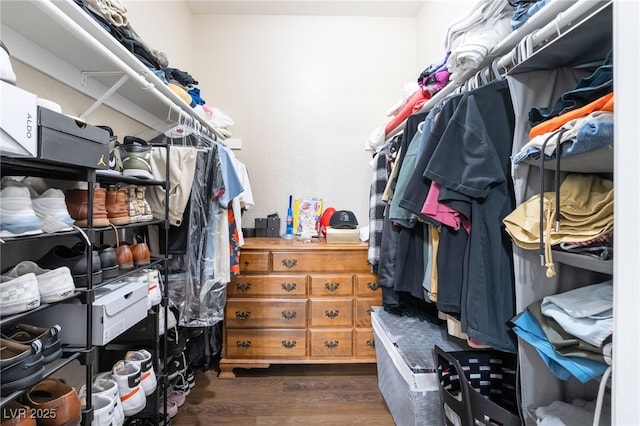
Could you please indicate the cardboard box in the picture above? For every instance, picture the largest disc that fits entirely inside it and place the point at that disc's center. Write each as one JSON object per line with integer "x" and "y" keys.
{"x": 342, "y": 236}
{"x": 18, "y": 122}
{"x": 117, "y": 307}
{"x": 69, "y": 141}
{"x": 407, "y": 375}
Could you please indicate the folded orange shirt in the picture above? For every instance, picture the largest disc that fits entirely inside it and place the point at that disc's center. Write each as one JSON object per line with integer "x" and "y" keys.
{"x": 413, "y": 105}
{"x": 604, "y": 103}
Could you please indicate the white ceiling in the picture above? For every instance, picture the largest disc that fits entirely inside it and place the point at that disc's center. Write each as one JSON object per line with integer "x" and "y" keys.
{"x": 384, "y": 8}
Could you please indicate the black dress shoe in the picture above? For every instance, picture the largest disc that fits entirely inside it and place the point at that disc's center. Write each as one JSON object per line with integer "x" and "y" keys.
{"x": 21, "y": 366}
{"x": 76, "y": 261}
{"x": 48, "y": 337}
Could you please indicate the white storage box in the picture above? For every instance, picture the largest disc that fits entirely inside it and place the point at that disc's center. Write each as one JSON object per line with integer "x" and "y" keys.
{"x": 117, "y": 307}
{"x": 406, "y": 369}
{"x": 18, "y": 122}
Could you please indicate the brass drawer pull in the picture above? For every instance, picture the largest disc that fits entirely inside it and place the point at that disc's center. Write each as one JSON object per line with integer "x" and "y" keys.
{"x": 243, "y": 344}
{"x": 289, "y": 344}
{"x": 289, "y": 287}
{"x": 243, "y": 287}
{"x": 332, "y": 286}
{"x": 371, "y": 344}
{"x": 331, "y": 344}
{"x": 373, "y": 286}
{"x": 332, "y": 314}
{"x": 243, "y": 315}
{"x": 288, "y": 315}
{"x": 289, "y": 263}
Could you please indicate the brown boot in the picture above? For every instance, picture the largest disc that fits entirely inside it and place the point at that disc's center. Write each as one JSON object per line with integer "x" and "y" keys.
{"x": 76, "y": 200}
{"x": 132, "y": 204}
{"x": 117, "y": 206}
{"x": 143, "y": 206}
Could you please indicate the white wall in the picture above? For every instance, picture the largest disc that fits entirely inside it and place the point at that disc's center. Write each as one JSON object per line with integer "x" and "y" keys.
{"x": 305, "y": 92}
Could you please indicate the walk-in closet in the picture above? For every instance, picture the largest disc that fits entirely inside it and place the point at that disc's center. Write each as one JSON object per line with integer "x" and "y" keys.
{"x": 319, "y": 212}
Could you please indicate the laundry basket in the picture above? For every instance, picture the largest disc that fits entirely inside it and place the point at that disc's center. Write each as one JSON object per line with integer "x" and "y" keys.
{"x": 477, "y": 387}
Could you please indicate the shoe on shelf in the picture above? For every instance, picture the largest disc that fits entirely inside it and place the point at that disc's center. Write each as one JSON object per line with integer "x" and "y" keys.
{"x": 54, "y": 396}
{"x": 48, "y": 338}
{"x": 177, "y": 367}
{"x": 142, "y": 358}
{"x": 176, "y": 396}
{"x": 18, "y": 294}
{"x": 103, "y": 409}
{"x": 49, "y": 206}
{"x": 190, "y": 376}
{"x": 17, "y": 414}
{"x": 124, "y": 257}
{"x": 108, "y": 261}
{"x": 155, "y": 292}
{"x": 135, "y": 214}
{"x": 180, "y": 383}
{"x": 136, "y": 158}
{"x": 17, "y": 217}
{"x": 54, "y": 285}
{"x": 20, "y": 365}
{"x": 127, "y": 376}
{"x": 109, "y": 388}
{"x": 77, "y": 205}
{"x": 141, "y": 254}
{"x": 172, "y": 408}
{"x": 115, "y": 163}
{"x": 76, "y": 260}
{"x": 116, "y": 205}
{"x": 143, "y": 206}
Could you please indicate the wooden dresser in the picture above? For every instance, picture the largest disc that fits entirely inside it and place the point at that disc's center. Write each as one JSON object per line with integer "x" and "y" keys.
{"x": 297, "y": 302}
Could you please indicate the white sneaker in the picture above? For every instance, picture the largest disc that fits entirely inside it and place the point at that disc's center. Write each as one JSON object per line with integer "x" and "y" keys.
{"x": 18, "y": 294}
{"x": 127, "y": 376}
{"x": 143, "y": 360}
{"x": 103, "y": 407}
{"x": 109, "y": 388}
{"x": 54, "y": 285}
{"x": 155, "y": 292}
{"x": 17, "y": 217}
{"x": 52, "y": 210}
{"x": 173, "y": 322}
{"x": 50, "y": 206}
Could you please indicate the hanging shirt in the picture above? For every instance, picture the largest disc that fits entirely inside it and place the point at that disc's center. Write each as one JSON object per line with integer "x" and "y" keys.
{"x": 472, "y": 165}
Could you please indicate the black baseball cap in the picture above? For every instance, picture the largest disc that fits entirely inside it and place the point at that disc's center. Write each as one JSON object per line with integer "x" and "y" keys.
{"x": 343, "y": 219}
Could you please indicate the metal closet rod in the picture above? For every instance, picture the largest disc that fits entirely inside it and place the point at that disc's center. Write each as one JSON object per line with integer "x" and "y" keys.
{"x": 73, "y": 27}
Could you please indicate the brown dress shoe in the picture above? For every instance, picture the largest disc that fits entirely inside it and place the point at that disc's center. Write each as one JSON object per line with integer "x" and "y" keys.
{"x": 141, "y": 254}
{"x": 16, "y": 414}
{"x": 76, "y": 200}
{"x": 57, "y": 403}
{"x": 124, "y": 255}
{"x": 116, "y": 204}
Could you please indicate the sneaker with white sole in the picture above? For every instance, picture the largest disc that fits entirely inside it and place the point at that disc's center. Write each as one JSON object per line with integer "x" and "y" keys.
{"x": 19, "y": 294}
{"x": 144, "y": 361}
{"x": 127, "y": 376}
{"x": 51, "y": 208}
{"x": 107, "y": 388}
{"x": 17, "y": 217}
{"x": 136, "y": 158}
{"x": 103, "y": 408}
{"x": 155, "y": 292}
{"x": 54, "y": 285}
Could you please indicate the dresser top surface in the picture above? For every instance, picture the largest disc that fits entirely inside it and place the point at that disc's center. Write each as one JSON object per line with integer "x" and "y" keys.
{"x": 283, "y": 244}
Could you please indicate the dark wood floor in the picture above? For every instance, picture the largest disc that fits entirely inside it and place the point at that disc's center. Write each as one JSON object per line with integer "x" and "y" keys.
{"x": 301, "y": 395}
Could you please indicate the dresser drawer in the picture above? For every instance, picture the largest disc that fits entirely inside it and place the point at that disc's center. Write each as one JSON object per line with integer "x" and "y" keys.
{"x": 320, "y": 261}
{"x": 269, "y": 313}
{"x": 254, "y": 261}
{"x": 331, "y": 343}
{"x": 336, "y": 312}
{"x": 365, "y": 345}
{"x": 267, "y": 286}
{"x": 265, "y": 343}
{"x": 363, "y": 311}
{"x": 331, "y": 285}
{"x": 367, "y": 286}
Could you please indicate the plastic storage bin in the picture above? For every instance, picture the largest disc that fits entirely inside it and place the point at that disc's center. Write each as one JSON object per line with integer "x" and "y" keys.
{"x": 406, "y": 372}
{"x": 477, "y": 387}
